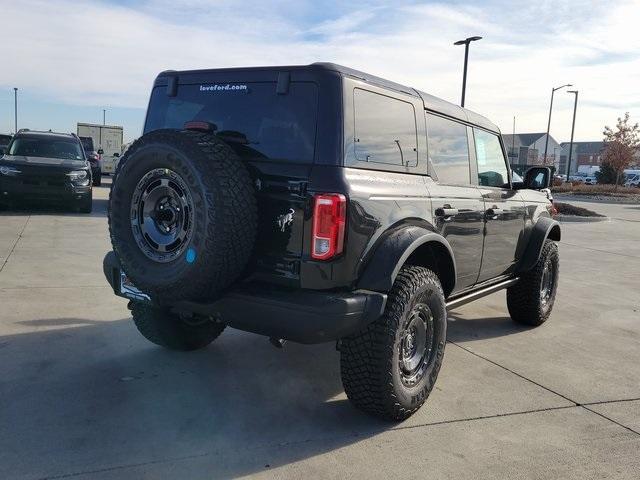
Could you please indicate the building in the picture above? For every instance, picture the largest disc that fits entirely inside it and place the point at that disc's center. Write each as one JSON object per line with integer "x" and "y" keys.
{"x": 585, "y": 154}
{"x": 527, "y": 149}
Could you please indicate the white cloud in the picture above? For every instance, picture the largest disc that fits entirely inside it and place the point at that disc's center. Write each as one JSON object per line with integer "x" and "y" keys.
{"x": 93, "y": 53}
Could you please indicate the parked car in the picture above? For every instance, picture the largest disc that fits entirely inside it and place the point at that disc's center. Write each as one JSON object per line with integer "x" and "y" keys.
{"x": 632, "y": 181}
{"x": 316, "y": 204}
{"x": 46, "y": 166}
{"x": 94, "y": 159}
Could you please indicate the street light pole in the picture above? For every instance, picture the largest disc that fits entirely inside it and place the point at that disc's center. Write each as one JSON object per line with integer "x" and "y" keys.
{"x": 104, "y": 117}
{"x": 546, "y": 142}
{"x": 15, "y": 108}
{"x": 573, "y": 127}
{"x": 466, "y": 43}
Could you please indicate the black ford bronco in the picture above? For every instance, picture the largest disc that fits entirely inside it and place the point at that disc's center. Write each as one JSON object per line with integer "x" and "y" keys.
{"x": 318, "y": 203}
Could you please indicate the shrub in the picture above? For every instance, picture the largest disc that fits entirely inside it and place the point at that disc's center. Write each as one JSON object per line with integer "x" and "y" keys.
{"x": 568, "y": 209}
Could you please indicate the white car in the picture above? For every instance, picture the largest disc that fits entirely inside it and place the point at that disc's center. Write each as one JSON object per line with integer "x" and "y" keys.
{"x": 632, "y": 181}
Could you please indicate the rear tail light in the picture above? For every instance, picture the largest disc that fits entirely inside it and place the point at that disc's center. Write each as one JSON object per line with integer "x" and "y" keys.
{"x": 329, "y": 219}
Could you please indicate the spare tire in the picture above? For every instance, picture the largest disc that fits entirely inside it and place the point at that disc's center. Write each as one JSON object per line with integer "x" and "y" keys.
{"x": 182, "y": 215}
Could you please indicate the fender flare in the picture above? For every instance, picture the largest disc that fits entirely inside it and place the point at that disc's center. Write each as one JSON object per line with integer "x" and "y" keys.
{"x": 384, "y": 264}
{"x": 544, "y": 228}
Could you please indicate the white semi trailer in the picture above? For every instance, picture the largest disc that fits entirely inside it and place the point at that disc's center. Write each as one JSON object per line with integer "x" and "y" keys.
{"x": 106, "y": 139}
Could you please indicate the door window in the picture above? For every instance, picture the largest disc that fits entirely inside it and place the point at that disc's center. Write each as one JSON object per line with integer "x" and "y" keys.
{"x": 448, "y": 150}
{"x": 492, "y": 168}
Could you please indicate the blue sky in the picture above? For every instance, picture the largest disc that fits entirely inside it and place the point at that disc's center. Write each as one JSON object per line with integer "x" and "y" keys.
{"x": 71, "y": 59}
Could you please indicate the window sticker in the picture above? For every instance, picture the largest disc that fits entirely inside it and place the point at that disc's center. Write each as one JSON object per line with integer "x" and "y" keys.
{"x": 228, "y": 87}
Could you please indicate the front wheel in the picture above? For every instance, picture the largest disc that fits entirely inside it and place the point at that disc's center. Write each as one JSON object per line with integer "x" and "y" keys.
{"x": 530, "y": 301}
{"x": 389, "y": 368}
{"x": 160, "y": 326}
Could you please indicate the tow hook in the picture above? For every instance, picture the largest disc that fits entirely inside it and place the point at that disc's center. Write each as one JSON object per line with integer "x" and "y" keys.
{"x": 277, "y": 342}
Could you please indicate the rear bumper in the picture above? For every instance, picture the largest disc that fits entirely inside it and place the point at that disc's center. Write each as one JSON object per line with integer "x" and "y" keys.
{"x": 302, "y": 316}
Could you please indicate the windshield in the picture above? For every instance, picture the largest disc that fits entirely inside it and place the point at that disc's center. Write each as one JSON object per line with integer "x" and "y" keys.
{"x": 87, "y": 144}
{"x": 258, "y": 123}
{"x": 49, "y": 147}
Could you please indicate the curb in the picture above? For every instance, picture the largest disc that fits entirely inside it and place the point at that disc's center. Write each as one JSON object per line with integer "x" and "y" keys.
{"x": 577, "y": 219}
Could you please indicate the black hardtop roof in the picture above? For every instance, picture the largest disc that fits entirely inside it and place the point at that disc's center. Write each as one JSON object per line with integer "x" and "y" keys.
{"x": 431, "y": 102}
{"x": 40, "y": 133}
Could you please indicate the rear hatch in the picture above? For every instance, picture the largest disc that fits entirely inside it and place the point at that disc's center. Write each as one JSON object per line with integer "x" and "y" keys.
{"x": 270, "y": 120}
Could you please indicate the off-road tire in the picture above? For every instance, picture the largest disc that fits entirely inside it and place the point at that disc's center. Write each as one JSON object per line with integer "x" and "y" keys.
{"x": 370, "y": 360}
{"x": 224, "y": 222}
{"x": 524, "y": 299}
{"x": 168, "y": 330}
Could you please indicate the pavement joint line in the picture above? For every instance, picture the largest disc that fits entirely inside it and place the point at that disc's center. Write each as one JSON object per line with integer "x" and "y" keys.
{"x": 6, "y": 260}
{"x": 599, "y": 250}
{"x": 299, "y": 442}
{"x": 604, "y": 402}
{"x": 610, "y": 419}
{"x": 575, "y": 404}
{"x": 515, "y": 373}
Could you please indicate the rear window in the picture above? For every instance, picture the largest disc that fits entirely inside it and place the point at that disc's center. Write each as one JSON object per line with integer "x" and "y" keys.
{"x": 258, "y": 123}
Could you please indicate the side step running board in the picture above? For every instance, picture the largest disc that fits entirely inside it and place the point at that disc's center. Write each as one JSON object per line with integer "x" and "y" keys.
{"x": 483, "y": 292}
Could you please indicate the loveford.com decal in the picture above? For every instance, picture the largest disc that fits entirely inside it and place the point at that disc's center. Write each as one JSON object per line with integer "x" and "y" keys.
{"x": 222, "y": 88}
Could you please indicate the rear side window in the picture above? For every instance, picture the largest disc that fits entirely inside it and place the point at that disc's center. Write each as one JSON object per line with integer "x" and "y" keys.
{"x": 257, "y": 122}
{"x": 448, "y": 150}
{"x": 385, "y": 129}
{"x": 492, "y": 168}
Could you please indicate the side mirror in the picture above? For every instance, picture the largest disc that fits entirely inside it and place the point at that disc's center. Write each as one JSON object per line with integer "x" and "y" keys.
{"x": 116, "y": 154}
{"x": 100, "y": 152}
{"x": 537, "y": 178}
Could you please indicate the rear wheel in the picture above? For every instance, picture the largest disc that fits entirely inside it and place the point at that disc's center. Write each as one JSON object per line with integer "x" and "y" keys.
{"x": 172, "y": 331}
{"x": 531, "y": 300}
{"x": 389, "y": 369}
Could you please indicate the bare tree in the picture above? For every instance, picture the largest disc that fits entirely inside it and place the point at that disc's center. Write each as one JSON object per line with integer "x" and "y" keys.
{"x": 620, "y": 145}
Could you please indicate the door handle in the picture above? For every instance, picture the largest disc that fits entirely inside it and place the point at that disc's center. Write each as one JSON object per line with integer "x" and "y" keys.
{"x": 493, "y": 212}
{"x": 446, "y": 212}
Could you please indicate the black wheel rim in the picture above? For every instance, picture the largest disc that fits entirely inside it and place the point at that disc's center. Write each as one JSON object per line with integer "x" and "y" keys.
{"x": 547, "y": 283}
{"x": 416, "y": 345}
{"x": 162, "y": 215}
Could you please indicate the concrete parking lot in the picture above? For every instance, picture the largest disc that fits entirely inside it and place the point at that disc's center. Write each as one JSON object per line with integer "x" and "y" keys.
{"x": 83, "y": 395}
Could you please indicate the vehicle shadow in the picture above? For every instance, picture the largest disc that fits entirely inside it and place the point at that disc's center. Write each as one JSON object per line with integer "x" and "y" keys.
{"x": 87, "y": 395}
{"x": 461, "y": 329}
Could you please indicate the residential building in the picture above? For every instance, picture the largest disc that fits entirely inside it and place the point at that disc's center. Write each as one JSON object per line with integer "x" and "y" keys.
{"x": 585, "y": 154}
{"x": 527, "y": 149}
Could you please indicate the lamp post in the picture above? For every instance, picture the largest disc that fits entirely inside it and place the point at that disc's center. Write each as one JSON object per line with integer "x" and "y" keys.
{"x": 573, "y": 127}
{"x": 104, "y": 117}
{"x": 15, "y": 107}
{"x": 546, "y": 142}
{"x": 466, "y": 43}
